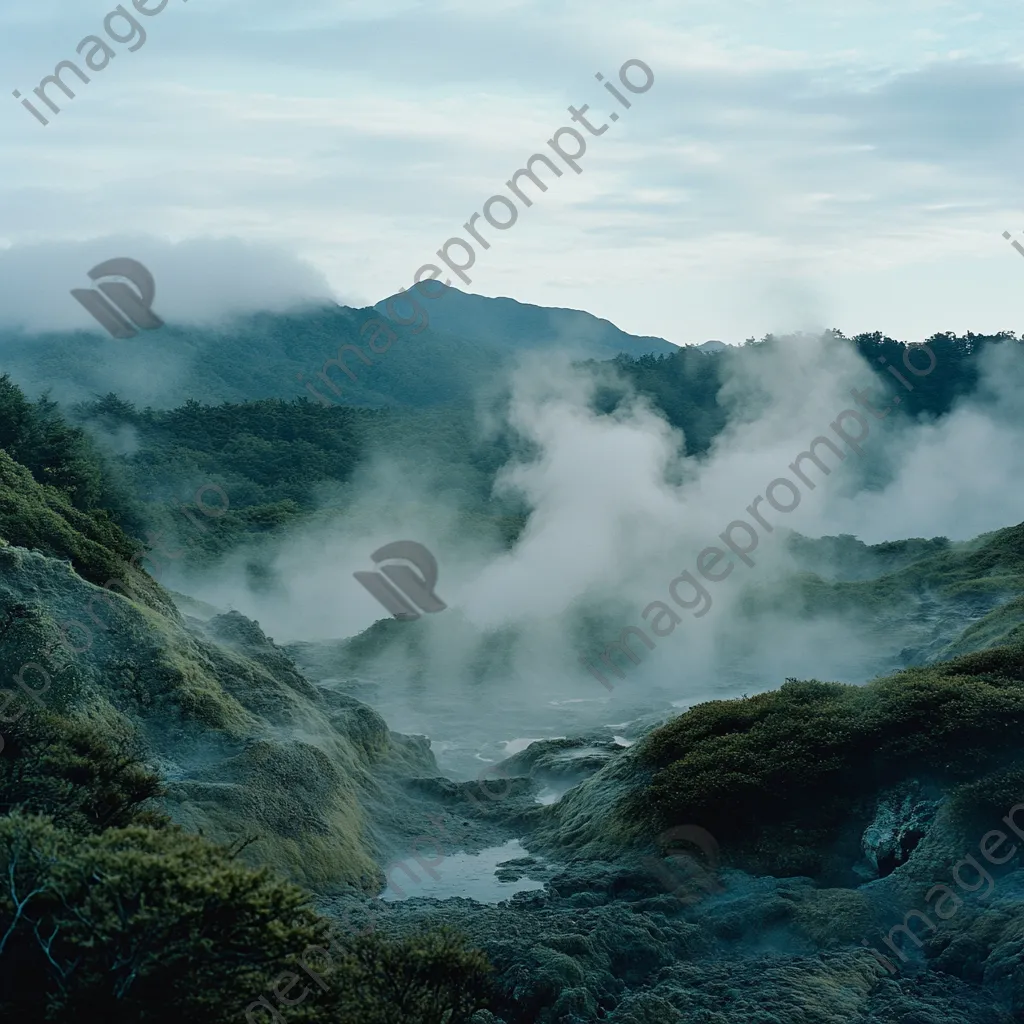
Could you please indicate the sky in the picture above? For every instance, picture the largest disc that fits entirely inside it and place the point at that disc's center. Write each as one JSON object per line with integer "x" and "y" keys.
{"x": 793, "y": 166}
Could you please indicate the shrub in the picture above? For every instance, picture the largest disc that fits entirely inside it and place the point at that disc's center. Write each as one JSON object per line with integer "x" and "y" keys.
{"x": 109, "y": 911}
{"x": 803, "y": 755}
{"x": 429, "y": 978}
{"x": 82, "y": 778}
{"x": 137, "y": 926}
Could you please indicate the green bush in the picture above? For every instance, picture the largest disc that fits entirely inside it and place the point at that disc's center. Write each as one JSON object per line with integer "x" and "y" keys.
{"x": 79, "y": 776}
{"x": 108, "y": 910}
{"x": 137, "y": 925}
{"x": 147, "y": 926}
{"x": 429, "y": 978}
{"x": 805, "y": 754}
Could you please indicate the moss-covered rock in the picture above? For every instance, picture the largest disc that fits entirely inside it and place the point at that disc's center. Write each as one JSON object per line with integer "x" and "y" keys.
{"x": 804, "y": 760}
{"x": 789, "y": 781}
{"x": 36, "y": 516}
{"x": 247, "y": 747}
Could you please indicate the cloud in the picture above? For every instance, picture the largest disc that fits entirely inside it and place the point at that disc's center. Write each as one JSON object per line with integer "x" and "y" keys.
{"x": 865, "y": 156}
{"x": 202, "y": 281}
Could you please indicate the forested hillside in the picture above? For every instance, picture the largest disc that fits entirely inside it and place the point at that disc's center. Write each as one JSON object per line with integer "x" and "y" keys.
{"x": 280, "y": 460}
{"x": 684, "y": 385}
{"x": 411, "y": 359}
{"x": 520, "y": 325}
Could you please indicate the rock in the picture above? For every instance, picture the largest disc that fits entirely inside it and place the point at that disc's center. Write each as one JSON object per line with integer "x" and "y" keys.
{"x": 902, "y": 819}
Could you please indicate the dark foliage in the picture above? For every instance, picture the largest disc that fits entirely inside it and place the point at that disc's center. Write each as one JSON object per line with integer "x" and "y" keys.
{"x": 800, "y": 758}
{"x": 36, "y": 435}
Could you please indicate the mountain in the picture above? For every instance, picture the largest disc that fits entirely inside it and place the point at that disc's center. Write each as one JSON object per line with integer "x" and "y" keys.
{"x": 712, "y": 347}
{"x": 438, "y": 356}
{"x": 522, "y": 326}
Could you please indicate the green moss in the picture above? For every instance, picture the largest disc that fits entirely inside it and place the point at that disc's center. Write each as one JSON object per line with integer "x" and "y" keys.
{"x": 800, "y": 759}
{"x": 300, "y": 804}
{"x": 251, "y": 746}
{"x": 42, "y": 518}
{"x": 1002, "y": 627}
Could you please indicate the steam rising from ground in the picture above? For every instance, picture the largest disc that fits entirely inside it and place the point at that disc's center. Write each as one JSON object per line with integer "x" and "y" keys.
{"x": 618, "y": 510}
{"x": 957, "y": 477}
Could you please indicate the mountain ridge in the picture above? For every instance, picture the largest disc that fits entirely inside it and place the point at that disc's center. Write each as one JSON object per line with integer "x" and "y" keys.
{"x": 281, "y": 355}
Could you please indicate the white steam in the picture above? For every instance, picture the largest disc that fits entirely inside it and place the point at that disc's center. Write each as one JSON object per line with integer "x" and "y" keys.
{"x": 618, "y": 510}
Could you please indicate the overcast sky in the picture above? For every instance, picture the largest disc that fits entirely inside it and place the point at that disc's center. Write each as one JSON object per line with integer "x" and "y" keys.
{"x": 796, "y": 164}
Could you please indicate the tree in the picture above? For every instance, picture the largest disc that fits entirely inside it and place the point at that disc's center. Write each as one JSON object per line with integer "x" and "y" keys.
{"x": 138, "y": 926}
{"x": 82, "y": 779}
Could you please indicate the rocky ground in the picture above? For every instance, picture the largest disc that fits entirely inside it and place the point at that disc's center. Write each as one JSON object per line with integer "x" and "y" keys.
{"x": 613, "y": 940}
{"x": 634, "y": 936}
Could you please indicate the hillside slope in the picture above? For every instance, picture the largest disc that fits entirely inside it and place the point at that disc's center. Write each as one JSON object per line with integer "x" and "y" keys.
{"x": 246, "y": 746}
{"x": 509, "y": 324}
{"x": 264, "y": 355}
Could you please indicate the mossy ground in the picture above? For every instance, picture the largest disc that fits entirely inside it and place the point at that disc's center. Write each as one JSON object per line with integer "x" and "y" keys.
{"x": 778, "y": 777}
{"x": 249, "y": 748}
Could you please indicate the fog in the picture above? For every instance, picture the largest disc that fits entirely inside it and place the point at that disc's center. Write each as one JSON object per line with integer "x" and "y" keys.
{"x": 617, "y": 511}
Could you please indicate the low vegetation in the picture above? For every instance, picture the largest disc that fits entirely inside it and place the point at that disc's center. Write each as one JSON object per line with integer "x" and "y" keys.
{"x": 110, "y": 913}
{"x": 779, "y": 775}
